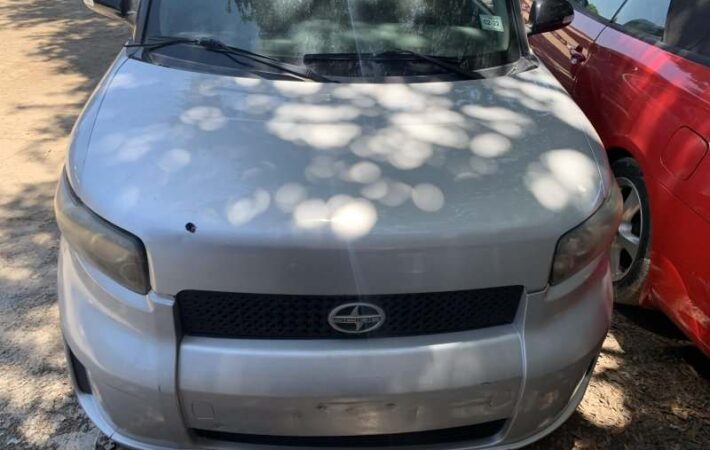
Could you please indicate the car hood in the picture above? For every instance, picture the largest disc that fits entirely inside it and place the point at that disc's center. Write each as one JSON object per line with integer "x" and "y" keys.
{"x": 227, "y": 169}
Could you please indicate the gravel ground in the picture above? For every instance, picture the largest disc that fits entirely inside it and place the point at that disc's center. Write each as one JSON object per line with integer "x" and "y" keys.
{"x": 650, "y": 389}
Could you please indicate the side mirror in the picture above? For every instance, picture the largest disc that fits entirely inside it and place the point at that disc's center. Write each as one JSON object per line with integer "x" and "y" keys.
{"x": 549, "y": 15}
{"x": 115, "y": 9}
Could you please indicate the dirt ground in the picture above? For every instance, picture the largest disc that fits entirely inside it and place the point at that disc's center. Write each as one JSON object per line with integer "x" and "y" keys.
{"x": 650, "y": 389}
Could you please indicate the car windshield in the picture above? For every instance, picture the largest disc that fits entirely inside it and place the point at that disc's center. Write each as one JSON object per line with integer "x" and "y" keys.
{"x": 347, "y": 38}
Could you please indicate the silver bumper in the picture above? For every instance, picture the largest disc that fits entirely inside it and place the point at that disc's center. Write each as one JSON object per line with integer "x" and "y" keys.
{"x": 150, "y": 391}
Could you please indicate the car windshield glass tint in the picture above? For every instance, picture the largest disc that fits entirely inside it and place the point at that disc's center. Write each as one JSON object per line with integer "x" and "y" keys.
{"x": 644, "y": 17}
{"x": 475, "y": 33}
{"x": 602, "y": 8}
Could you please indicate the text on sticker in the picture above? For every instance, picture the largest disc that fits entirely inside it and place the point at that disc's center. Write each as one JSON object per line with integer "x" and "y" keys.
{"x": 491, "y": 23}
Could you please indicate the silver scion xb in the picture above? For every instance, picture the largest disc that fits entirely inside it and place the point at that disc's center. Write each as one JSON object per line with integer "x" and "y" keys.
{"x": 333, "y": 223}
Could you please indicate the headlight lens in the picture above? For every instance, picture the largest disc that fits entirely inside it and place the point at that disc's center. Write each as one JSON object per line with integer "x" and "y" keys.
{"x": 578, "y": 247}
{"x": 117, "y": 253}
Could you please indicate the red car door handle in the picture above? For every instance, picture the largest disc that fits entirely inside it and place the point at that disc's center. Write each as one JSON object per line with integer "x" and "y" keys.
{"x": 577, "y": 55}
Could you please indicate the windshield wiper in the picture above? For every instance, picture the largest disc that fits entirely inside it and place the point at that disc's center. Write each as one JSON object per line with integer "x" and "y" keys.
{"x": 217, "y": 46}
{"x": 435, "y": 61}
{"x": 392, "y": 54}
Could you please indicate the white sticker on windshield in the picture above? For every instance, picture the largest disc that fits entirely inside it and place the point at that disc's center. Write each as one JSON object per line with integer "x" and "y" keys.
{"x": 491, "y": 23}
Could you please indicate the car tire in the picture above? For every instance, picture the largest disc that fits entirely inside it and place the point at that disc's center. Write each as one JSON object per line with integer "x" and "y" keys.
{"x": 630, "y": 268}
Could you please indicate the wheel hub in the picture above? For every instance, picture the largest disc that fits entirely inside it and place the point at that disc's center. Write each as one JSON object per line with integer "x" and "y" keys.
{"x": 625, "y": 248}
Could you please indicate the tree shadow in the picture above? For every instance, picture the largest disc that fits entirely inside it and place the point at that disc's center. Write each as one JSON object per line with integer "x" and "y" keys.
{"x": 644, "y": 393}
{"x": 651, "y": 320}
{"x": 36, "y": 402}
{"x": 656, "y": 322}
{"x": 58, "y": 51}
{"x": 84, "y": 42}
{"x": 66, "y": 36}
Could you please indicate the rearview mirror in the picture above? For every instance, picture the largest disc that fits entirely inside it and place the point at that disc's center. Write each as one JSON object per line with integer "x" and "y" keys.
{"x": 115, "y": 9}
{"x": 549, "y": 15}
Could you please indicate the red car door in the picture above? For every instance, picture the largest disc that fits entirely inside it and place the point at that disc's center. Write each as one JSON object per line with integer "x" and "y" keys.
{"x": 568, "y": 48}
{"x": 620, "y": 78}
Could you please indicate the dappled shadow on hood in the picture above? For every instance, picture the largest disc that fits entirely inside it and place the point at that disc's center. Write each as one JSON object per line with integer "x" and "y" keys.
{"x": 339, "y": 159}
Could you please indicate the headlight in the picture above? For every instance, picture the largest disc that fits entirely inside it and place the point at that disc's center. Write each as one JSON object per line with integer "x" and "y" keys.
{"x": 117, "y": 253}
{"x": 578, "y": 247}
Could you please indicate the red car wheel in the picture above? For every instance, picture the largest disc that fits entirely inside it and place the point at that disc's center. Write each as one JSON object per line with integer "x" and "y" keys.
{"x": 629, "y": 254}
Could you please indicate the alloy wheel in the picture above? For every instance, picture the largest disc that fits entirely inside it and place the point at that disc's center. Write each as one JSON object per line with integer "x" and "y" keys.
{"x": 626, "y": 245}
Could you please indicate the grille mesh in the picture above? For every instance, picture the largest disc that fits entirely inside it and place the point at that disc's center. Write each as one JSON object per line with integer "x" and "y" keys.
{"x": 235, "y": 315}
{"x": 418, "y": 439}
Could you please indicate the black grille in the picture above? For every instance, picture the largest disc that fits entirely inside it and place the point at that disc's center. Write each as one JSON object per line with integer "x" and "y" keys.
{"x": 450, "y": 435}
{"x": 232, "y": 315}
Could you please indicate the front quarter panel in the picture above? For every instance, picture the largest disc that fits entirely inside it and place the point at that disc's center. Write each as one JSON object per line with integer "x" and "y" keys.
{"x": 80, "y": 138}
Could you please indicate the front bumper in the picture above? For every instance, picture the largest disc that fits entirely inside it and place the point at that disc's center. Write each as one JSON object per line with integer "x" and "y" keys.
{"x": 150, "y": 388}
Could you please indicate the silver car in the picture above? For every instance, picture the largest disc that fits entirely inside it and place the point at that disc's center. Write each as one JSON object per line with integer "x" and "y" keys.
{"x": 333, "y": 223}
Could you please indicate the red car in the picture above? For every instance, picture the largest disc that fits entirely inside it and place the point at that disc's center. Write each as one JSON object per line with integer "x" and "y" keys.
{"x": 640, "y": 70}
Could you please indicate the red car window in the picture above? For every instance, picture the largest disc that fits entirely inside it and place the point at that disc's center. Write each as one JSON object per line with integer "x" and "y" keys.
{"x": 644, "y": 16}
{"x": 602, "y": 8}
{"x": 687, "y": 26}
